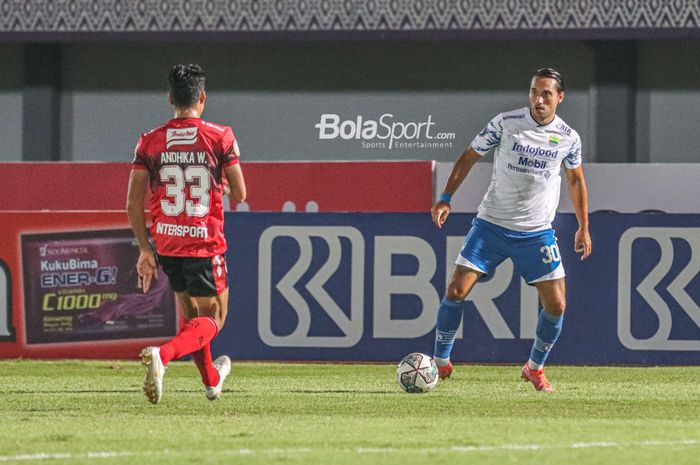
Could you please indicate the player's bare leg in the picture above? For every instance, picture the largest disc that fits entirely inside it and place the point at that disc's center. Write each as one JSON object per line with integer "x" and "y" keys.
{"x": 450, "y": 315}
{"x": 214, "y": 307}
{"x": 552, "y": 294}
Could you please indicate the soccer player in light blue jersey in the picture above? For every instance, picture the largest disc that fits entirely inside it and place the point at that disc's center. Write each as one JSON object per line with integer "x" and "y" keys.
{"x": 514, "y": 219}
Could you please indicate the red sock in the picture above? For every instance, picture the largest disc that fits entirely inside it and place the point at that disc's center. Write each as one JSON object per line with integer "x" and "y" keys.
{"x": 193, "y": 336}
{"x": 202, "y": 358}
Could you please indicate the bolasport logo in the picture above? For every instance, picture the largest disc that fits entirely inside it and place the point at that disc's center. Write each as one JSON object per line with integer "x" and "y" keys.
{"x": 385, "y": 132}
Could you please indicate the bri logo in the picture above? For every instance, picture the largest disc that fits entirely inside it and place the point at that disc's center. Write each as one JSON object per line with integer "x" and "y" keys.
{"x": 297, "y": 290}
{"x": 534, "y": 151}
{"x": 666, "y": 291}
{"x": 181, "y": 136}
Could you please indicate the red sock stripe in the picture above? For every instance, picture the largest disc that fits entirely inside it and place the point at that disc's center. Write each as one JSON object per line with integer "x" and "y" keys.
{"x": 213, "y": 322}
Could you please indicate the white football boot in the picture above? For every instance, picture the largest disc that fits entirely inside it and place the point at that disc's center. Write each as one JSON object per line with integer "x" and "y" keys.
{"x": 223, "y": 366}
{"x": 153, "y": 385}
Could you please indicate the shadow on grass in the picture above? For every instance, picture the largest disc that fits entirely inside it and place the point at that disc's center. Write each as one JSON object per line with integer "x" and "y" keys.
{"x": 340, "y": 391}
{"x": 97, "y": 391}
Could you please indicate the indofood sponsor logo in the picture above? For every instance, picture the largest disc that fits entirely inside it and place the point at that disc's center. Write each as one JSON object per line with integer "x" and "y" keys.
{"x": 385, "y": 132}
{"x": 533, "y": 151}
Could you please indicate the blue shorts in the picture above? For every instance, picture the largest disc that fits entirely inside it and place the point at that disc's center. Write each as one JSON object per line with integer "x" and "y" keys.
{"x": 535, "y": 255}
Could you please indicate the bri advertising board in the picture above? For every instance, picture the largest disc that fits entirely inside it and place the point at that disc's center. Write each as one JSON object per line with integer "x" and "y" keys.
{"x": 366, "y": 287}
{"x": 351, "y": 287}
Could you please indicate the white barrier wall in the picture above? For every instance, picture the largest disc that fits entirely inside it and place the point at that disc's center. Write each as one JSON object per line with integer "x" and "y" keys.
{"x": 624, "y": 188}
{"x": 309, "y": 125}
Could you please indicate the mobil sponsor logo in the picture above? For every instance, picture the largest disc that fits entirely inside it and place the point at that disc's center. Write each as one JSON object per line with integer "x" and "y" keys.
{"x": 532, "y": 162}
{"x": 333, "y": 287}
{"x": 658, "y": 297}
{"x": 181, "y": 136}
{"x": 534, "y": 151}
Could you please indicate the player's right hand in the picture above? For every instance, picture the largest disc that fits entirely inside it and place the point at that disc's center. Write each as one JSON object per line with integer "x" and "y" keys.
{"x": 440, "y": 212}
{"x": 147, "y": 270}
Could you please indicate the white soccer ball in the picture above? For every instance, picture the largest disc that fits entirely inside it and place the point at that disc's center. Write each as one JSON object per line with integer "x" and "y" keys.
{"x": 417, "y": 373}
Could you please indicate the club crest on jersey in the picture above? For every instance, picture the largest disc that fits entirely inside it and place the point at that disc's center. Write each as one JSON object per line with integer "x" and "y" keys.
{"x": 181, "y": 136}
{"x": 553, "y": 141}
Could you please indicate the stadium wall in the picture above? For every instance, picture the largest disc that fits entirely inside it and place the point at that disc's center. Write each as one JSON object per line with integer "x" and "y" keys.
{"x": 11, "y": 93}
{"x": 367, "y": 287}
{"x": 273, "y": 93}
{"x": 289, "y": 187}
{"x": 350, "y": 287}
{"x": 612, "y": 187}
{"x": 347, "y": 286}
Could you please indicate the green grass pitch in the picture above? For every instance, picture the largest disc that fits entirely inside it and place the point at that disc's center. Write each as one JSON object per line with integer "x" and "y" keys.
{"x": 93, "y": 412}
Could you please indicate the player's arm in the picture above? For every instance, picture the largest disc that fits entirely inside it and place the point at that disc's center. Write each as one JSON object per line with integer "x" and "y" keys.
{"x": 460, "y": 170}
{"x": 146, "y": 265}
{"x": 236, "y": 184}
{"x": 579, "y": 199}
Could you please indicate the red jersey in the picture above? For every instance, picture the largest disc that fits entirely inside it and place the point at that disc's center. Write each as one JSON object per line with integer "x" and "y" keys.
{"x": 186, "y": 158}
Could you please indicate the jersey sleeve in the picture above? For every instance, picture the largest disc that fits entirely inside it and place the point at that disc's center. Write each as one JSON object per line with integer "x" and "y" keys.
{"x": 489, "y": 137}
{"x": 573, "y": 158}
{"x": 229, "y": 149}
{"x": 139, "y": 161}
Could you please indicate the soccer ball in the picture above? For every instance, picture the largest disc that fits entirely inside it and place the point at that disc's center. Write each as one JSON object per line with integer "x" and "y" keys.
{"x": 417, "y": 373}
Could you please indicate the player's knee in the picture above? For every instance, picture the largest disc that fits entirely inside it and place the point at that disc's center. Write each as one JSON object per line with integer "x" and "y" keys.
{"x": 457, "y": 292}
{"x": 556, "y": 308}
{"x": 220, "y": 322}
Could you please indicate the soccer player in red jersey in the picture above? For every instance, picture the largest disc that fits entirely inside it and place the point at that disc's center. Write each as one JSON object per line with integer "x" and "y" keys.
{"x": 189, "y": 163}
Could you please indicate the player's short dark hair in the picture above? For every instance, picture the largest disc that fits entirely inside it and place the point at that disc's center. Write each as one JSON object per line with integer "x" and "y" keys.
{"x": 551, "y": 73}
{"x": 186, "y": 83}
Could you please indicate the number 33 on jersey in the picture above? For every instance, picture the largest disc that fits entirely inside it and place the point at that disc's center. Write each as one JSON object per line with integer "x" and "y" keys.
{"x": 185, "y": 159}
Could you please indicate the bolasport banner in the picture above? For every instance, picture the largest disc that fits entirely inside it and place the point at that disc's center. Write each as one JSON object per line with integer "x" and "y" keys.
{"x": 355, "y": 287}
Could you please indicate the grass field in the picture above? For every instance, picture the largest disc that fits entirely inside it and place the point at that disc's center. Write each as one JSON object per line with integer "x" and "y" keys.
{"x": 94, "y": 412}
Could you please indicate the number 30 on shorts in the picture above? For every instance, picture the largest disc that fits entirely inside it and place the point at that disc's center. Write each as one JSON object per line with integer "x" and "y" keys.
{"x": 551, "y": 253}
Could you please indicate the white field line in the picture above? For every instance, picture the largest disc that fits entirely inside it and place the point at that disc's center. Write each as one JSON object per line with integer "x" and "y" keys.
{"x": 359, "y": 450}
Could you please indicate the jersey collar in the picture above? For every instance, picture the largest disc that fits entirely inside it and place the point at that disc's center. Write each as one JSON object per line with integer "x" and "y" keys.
{"x": 535, "y": 123}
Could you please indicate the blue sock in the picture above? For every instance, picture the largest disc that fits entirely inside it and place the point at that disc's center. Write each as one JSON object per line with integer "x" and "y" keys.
{"x": 547, "y": 332}
{"x": 448, "y": 319}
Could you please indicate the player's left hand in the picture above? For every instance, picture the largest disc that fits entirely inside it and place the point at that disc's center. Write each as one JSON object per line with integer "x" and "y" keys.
{"x": 583, "y": 244}
{"x": 147, "y": 269}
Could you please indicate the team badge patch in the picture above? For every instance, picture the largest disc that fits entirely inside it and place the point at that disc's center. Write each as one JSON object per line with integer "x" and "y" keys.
{"x": 553, "y": 140}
